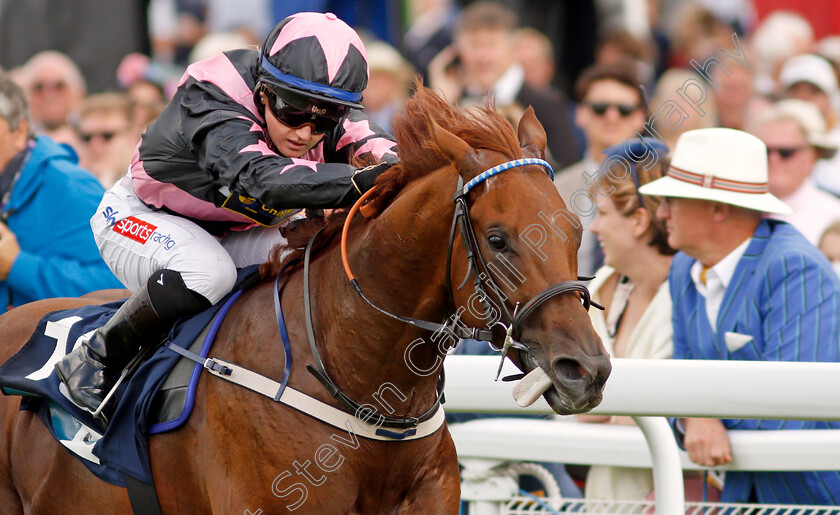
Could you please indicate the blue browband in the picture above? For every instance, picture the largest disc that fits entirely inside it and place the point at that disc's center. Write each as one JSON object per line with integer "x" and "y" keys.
{"x": 311, "y": 86}
{"x": 486, "y": 174}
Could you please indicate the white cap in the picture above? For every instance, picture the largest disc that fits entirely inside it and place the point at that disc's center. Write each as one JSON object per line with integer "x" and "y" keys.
{"x": 807, "y": 115}
{"x": 809, "y": 68}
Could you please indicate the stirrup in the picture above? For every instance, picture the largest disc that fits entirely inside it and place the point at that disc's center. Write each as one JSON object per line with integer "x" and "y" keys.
{"x": 132, "y": 366}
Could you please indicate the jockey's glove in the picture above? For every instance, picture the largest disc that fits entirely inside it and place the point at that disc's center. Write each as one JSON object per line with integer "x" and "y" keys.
{"x": 363, "y": 178}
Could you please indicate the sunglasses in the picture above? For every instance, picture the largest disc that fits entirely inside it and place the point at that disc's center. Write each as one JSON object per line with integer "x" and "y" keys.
{"x": 294, "y": 117}
{"x": 601, "y": 108}
{"x": 105, "y": 135}
{"x": 784, "y": 152}
{"x": 40, "y": 87}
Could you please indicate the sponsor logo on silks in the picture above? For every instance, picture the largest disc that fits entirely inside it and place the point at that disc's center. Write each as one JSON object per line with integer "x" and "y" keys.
{"x": 254, "y": 210}
{"x": 320, "y": 111}
{"x": 110, "y": 216}
{"x": 135, "y": 229}
{"x": 142, "y": 232}
{"x": 251, "y": 204}
{"x": 165, "y": 240}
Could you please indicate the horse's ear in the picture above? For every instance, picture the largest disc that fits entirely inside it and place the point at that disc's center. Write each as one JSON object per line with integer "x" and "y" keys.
{"x": 453, "y": 147}
{"x": 531, "y": 134}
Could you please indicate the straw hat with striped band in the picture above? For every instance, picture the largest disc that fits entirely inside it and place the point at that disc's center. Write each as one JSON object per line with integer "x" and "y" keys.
{"x": 721, "y": 165}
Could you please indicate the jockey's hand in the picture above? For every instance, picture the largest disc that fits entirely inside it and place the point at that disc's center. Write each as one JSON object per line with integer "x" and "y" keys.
{"x": 9, "y": 250}
{"x": 707, "y": 442}
{"x": 364, "y": 178}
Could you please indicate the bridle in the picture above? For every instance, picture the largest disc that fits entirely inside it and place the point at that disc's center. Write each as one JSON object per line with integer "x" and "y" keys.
{"x": 482, "y": 279}
{"x": 482, "y": 282}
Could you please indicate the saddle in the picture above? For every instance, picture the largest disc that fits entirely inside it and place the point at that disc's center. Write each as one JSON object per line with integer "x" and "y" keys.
{"x": 157, "y": 398}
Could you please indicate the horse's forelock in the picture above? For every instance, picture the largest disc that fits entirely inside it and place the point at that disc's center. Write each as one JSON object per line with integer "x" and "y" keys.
{"x": 481, "y": 127}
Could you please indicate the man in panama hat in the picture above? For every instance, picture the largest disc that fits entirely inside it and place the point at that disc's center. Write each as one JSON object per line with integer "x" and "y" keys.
{"x": 744, "y": 287}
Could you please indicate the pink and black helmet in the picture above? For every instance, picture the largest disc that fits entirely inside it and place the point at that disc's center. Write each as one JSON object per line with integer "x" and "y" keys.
{"x": 318, "y": 56}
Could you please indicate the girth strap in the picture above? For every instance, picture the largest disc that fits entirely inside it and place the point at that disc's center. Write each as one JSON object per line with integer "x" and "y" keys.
{"x": 313, "y": 407}
{"x": 142, "y": 496}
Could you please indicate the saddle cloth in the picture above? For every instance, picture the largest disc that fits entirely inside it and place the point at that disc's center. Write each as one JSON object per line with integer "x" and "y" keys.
{"x": 157, "y": 398}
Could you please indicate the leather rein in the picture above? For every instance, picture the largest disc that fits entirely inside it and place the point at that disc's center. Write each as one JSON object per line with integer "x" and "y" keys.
{"x": 482, "y": 282}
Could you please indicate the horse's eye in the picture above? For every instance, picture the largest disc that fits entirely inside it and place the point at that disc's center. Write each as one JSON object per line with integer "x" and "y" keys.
{"x": 496, "y": 242}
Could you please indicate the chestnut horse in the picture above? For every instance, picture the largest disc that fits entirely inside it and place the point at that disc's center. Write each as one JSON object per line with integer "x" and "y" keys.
{"x": 241, "y": 452}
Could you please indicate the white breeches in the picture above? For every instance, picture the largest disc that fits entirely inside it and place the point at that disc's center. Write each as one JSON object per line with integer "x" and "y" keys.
{"x": 136, "y": 241}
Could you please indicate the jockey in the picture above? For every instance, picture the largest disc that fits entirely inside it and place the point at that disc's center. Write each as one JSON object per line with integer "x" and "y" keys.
{"x": 250, "y": 138}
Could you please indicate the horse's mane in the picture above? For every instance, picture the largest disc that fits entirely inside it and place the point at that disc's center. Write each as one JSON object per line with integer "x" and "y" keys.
{"x": 479, "y": 126}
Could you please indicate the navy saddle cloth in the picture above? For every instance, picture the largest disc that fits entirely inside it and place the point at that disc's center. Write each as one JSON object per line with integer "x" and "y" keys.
{"x": 154, "y": 400}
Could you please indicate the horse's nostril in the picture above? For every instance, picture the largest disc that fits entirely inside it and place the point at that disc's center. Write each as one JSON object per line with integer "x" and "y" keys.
{"x": 568, "y": 369}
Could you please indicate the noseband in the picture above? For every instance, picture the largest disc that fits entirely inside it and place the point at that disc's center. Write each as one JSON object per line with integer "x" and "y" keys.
{"x": 482, "y": 281}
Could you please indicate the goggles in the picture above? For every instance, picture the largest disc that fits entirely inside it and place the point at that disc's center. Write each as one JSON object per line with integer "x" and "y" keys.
{"x": 296, "y": 110}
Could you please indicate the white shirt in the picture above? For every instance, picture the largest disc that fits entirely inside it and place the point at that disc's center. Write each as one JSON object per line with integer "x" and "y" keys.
{"x": 717, "y": 280}
{"x": 813, "y": 210}
{"x": 504, "y": 90}
{"x": 508, "y": 86}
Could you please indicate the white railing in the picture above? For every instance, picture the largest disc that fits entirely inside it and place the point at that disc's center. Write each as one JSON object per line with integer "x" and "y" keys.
{"x": 649, "y": 390}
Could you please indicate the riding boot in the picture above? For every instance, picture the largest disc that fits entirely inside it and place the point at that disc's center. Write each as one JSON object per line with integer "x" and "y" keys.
{"x": 90, "y": 371}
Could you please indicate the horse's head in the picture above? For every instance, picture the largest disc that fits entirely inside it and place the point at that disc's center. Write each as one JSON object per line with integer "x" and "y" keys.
{"x": 528, "y": 242}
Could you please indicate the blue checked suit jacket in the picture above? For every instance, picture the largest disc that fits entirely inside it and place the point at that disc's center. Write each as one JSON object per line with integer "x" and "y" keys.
{"x": 785, "y": 295}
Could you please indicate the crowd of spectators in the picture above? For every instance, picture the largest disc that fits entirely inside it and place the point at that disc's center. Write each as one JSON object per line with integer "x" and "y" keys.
{"x": 656, "y": 79}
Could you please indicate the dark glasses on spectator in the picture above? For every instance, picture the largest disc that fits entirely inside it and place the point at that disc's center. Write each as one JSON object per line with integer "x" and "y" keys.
{"x": 105, "y": 135}
{"x": 322, "y": 118}
{"x": 54, "y": 86}
{"x": 601, "y": 108}
{"x": 784, "y": 152}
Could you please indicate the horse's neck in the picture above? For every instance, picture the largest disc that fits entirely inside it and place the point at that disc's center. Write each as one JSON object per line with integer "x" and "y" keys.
{"x": 398, "y": 260}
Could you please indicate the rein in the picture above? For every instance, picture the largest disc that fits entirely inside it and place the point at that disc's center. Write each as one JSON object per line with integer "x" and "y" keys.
{"x": 453, "y": 329}
{"x": 319, "y": 371}
{"x": 482, "y": 281}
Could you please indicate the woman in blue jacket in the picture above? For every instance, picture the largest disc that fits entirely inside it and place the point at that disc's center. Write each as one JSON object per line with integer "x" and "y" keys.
{"x": 46, "y": 201}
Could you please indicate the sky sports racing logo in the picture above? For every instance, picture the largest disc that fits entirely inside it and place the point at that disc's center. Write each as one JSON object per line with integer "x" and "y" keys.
{"x": 141, "y": 232}
{"x": 110, "y": 215}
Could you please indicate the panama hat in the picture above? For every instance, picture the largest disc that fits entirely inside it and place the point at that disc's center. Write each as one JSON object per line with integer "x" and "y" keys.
{"x": 721, "y": 165}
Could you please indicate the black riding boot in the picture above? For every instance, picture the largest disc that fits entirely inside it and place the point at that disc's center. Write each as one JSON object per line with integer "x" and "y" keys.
{"x": 89, "y": 372}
